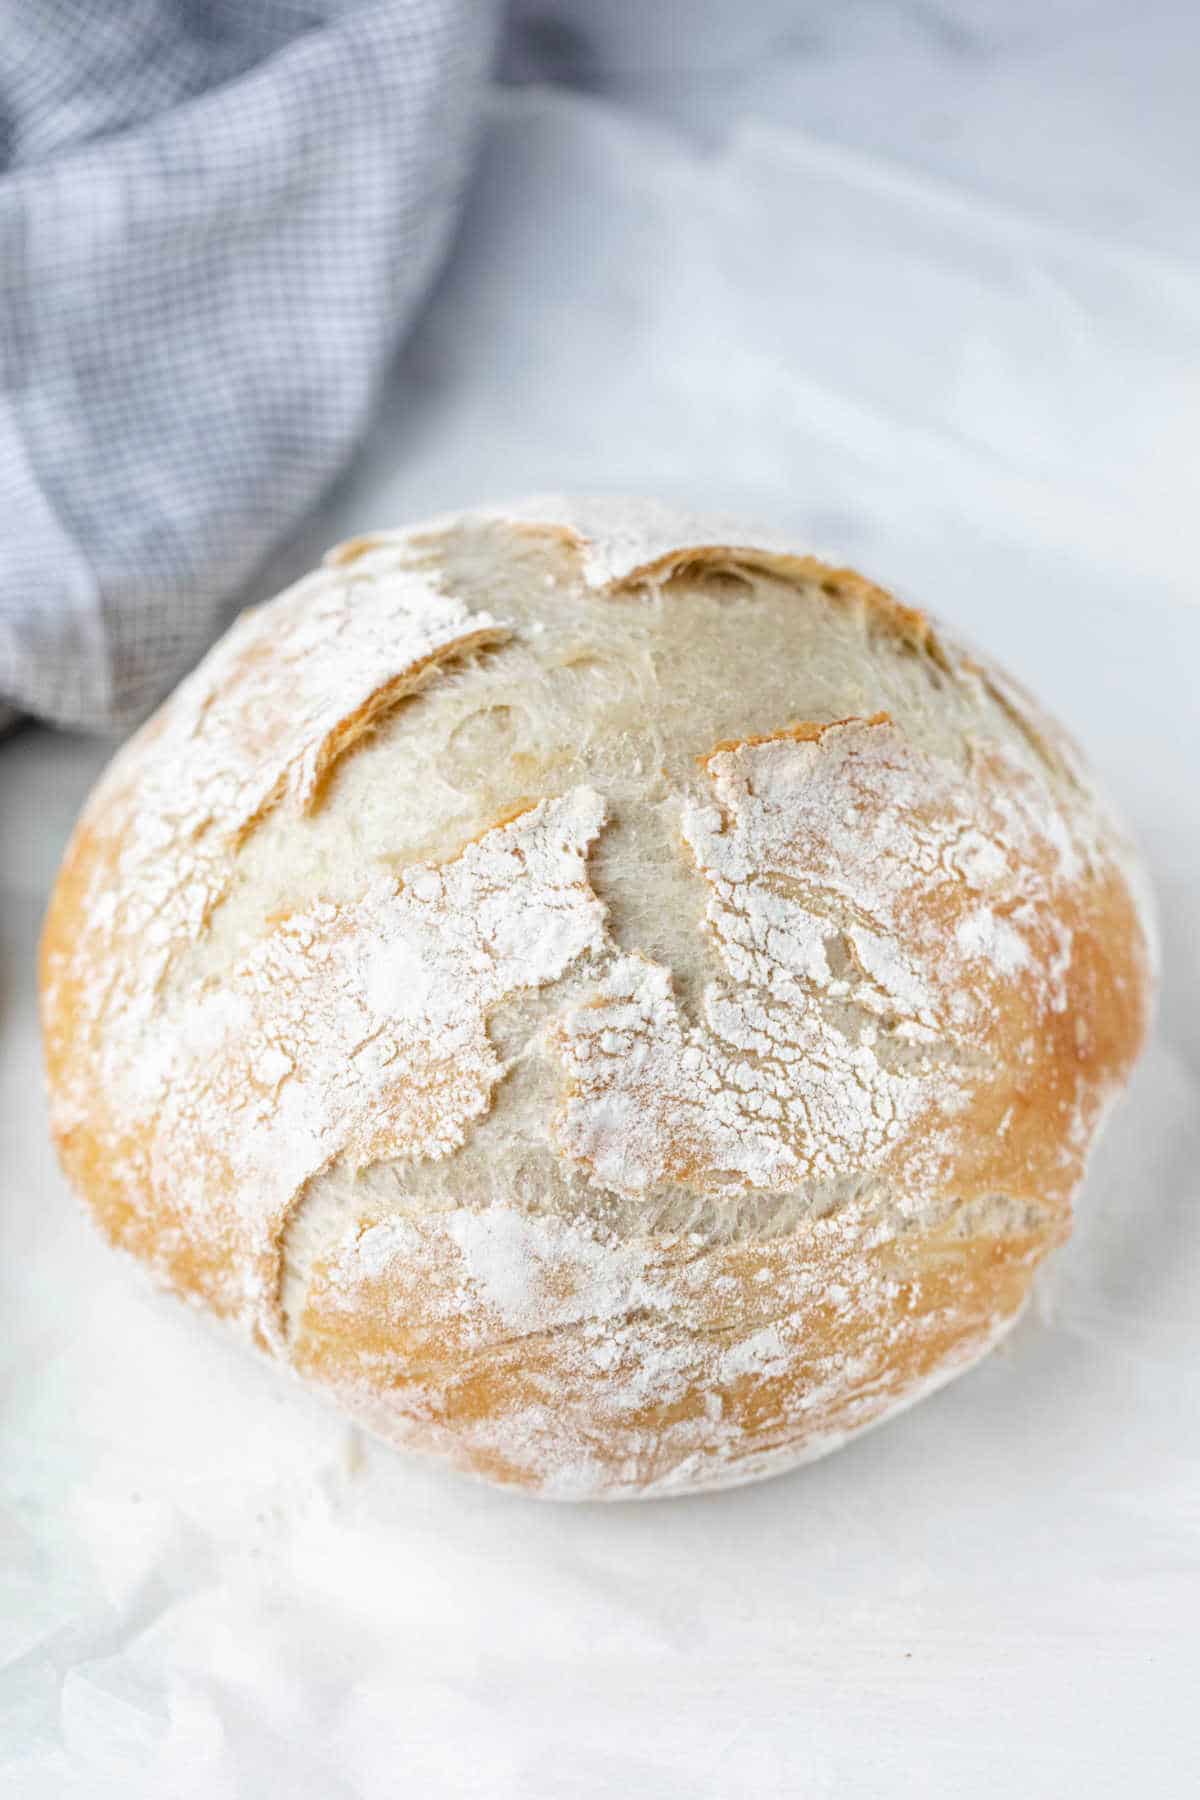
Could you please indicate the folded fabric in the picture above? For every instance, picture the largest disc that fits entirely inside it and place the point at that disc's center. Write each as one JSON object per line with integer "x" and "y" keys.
{"x": 215, "y": 222}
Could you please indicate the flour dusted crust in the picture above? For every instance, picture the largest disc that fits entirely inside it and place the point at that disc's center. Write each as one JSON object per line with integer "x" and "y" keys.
{"x": 621, "y": 1007}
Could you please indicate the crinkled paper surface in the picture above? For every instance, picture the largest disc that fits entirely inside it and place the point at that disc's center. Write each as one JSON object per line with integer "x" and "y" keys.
{"x": 984, "y": 391}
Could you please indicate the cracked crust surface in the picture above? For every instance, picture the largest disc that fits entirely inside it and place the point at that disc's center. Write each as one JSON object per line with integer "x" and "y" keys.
{"x": 620, "y": 1007}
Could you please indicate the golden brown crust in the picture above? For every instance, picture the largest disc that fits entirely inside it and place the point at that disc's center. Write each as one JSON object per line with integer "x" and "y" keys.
{"x": 261, "y": 722}
{"x": 932, "y": 977}
{"x": 725, "y": 1361}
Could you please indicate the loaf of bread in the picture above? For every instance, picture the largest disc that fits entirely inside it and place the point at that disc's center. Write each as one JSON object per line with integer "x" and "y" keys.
{"x": 620, "y": 1006}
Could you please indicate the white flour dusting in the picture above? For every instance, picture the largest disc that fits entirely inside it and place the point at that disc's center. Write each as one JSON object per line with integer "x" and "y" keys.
{"x": 257, "y": 724}
{"x": 359, "y": 1031}
{"x": 843, "y": 840}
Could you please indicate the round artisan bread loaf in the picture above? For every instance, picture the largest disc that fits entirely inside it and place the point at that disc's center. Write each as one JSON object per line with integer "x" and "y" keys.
{"x": 620, "y": 1006}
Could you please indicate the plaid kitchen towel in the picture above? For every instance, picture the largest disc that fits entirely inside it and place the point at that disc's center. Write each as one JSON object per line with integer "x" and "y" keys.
{"x": 216, "y": 219}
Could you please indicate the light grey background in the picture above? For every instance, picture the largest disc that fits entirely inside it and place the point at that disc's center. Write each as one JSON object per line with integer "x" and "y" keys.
{"x": 922, "y": 282}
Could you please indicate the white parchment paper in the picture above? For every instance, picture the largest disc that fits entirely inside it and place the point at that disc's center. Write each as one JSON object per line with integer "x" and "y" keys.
{"x": 210, "y": 1586}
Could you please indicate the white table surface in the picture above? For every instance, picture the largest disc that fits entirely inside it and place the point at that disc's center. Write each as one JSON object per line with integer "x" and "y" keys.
{"x": 923, "y": 283}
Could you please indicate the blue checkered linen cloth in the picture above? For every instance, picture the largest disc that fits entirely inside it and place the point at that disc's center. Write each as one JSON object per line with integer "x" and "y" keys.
{"x": 216, "y": 220}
